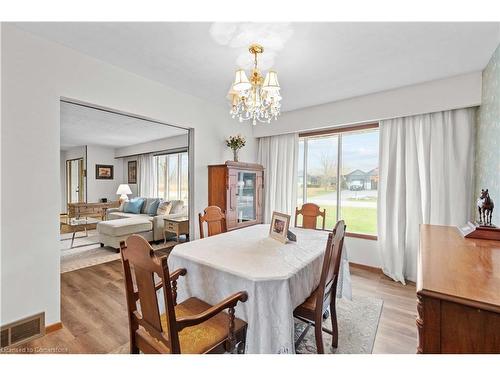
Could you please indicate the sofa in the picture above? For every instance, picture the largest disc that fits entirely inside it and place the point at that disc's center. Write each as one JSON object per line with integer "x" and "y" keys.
{"x": 178, "y": 210}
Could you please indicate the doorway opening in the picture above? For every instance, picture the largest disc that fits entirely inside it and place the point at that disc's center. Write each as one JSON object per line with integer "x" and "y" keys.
{"x": 75, "y": 181}
{"x": 120, "y": 169}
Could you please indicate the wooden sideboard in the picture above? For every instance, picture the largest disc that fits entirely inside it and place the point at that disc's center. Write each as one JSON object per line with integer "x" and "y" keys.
{"x": 458, "y": 292}
{"x": 237, "y": 189}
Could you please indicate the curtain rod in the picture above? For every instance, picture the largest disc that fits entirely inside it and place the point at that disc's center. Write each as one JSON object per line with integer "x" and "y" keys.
{"x": 340, "y": 129}
{"x": 159, "y": 152}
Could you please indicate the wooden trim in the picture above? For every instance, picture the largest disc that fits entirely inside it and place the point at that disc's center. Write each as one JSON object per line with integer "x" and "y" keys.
{"x": 354, "y": 235}
{"x": 53, "y": 327}
{"x": 252, "y": 167}
{"x": 340, "y": 129}
{"x": 376, "y": 270}
{"x": 462, "y": 301}
{"x": 366, "y": 268}
{"x": 361, "y": 235}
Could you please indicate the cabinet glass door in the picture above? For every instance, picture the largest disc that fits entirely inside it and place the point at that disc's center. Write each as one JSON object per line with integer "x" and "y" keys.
{"x": 245, "y": 197}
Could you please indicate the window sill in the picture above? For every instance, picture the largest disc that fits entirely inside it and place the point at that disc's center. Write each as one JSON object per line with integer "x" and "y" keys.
{"x": 354, "y": 235}
{"x": 362, "y": 236}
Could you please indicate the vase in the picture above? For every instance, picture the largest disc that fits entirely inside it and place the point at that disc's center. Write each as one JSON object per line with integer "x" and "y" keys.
{"x": 235, "y": 155}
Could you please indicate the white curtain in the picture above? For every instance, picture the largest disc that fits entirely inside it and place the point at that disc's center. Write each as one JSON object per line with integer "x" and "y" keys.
{"x": 426, "y": 177}
{"x": 279, "y": 154}
{"x": 147, "y": 176}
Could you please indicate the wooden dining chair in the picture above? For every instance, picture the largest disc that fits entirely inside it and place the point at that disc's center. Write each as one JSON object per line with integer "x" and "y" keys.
{"x": 314, "y": 309}
{"x": 310, "y": 213}
{"x": 215, "y": 219}
{"x": 192, "y": 326}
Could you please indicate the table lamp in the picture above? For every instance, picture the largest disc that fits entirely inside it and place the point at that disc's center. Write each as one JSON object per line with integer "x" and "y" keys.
{"x": 123, "y": 190}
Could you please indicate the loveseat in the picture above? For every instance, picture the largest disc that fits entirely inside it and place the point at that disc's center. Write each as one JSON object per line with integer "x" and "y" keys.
{"x": 178, "y": 209}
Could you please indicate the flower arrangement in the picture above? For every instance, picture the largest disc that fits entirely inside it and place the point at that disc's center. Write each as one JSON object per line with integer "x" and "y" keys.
{"x": 235, "y": 143}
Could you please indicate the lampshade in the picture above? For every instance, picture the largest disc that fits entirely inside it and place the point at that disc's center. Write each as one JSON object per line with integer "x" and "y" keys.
{"x": 271, "y": 81}
{"x": 233, "y": 96}
{"x": 241, "y": 82}
{"x": 123, "y": 189}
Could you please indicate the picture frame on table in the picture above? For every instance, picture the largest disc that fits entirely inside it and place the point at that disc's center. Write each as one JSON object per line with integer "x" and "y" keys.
{"x": 103, "y": 172}
{"x": 279, "y": 226}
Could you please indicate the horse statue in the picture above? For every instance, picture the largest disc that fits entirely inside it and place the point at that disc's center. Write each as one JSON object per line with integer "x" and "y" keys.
{"x": 485, "y": 207}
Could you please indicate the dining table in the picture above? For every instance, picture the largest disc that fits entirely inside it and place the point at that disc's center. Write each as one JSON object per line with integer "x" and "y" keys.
{"x": 277, "y": 277}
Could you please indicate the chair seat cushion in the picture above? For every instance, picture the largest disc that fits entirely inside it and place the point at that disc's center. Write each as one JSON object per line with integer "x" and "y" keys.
{"x": 122, "y": 227}
{"x": 308, "y": 307}
{"x": 204, "y": 336}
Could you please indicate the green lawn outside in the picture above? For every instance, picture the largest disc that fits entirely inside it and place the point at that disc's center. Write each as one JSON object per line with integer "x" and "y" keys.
{"x": 358, "y": 219}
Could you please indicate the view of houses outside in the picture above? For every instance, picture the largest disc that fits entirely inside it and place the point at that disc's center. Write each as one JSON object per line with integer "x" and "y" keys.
{"x": 358, "y": 178}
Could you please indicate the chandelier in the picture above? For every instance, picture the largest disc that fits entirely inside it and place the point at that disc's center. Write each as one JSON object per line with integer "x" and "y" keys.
{"x": 257, "y": 99}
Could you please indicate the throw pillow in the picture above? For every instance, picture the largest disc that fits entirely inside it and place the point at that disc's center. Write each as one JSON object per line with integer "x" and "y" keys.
{"x": 134, "y": 206}
{"x": 164, "y": 208}
{"x": 152, "y": 207}
{"x": 177, "y": 206}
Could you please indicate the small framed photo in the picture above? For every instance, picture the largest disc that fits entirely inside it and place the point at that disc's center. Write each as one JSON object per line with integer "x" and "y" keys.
{"x": 103, "y": 172}
{"x": 132, "y": 172}
{"x": 279, "y": 226}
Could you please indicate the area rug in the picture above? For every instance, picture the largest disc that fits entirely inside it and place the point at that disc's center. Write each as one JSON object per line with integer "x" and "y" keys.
{"x": 358, "y": 323}
{"x": 87, "y": 251}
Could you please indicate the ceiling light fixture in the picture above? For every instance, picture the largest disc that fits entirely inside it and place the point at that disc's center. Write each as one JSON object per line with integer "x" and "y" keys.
{"x": 257, "y": 99}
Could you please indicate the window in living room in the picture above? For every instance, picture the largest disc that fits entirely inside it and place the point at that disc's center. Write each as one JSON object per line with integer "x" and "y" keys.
{"x": 341, "y": 173}
{"x": 172, "y": 176}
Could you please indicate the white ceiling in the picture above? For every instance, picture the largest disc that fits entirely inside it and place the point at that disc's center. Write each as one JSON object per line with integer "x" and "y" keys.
{"x": 82, "y": 126}
{"x": 316, "y": 62}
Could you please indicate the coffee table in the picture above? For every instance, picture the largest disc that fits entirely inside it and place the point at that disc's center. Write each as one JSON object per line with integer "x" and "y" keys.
{"x": 81, "y": 224}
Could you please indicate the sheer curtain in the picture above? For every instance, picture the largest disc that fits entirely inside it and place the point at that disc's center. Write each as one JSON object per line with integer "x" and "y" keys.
{"x": 147, "y": 176}
{"x": 426, "y": 177}
{"x": 279, "y": 154}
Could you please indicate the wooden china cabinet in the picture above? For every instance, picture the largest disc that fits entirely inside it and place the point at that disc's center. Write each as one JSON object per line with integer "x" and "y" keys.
{"x": 237, "y": 188}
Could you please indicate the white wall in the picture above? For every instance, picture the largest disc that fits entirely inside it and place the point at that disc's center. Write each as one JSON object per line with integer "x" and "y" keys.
{"x": 35, "y": 74}
{"x": 163, "y": 144}
{"x": 450, "y": 93}
{"x": 363, "y": 251}
{"x": 97, "y": 189}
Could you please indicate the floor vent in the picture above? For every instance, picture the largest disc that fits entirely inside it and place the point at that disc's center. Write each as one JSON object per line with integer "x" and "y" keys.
{"x": 23, "y": 330}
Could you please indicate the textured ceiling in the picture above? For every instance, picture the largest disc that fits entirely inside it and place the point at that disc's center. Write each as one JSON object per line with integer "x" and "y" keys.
{"x": 316, "y": 62}
{"x": 87, "y": 126}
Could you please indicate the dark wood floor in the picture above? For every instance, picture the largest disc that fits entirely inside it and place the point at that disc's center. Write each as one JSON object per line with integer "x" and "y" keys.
{"x": 94, "y": 317}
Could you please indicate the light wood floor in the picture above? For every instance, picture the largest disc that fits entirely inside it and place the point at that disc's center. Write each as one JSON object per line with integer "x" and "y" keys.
{"x": 95, "y": 321}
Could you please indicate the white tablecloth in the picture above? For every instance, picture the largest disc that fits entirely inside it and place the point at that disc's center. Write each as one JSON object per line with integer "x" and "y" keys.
{"x": 278, "y": 277}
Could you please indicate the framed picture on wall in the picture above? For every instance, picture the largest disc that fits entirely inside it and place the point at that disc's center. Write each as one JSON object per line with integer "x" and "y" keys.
{"x": 132, "y": 172}
{"x": 103, "y": 172}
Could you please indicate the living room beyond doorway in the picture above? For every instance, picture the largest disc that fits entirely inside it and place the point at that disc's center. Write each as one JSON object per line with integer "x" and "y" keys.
{"x": 120, "y": 174}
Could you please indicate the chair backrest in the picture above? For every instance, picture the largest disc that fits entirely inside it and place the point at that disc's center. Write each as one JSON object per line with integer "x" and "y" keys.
{"x": 140, "y": 263}
{"x": 331, "y": 264}
{"x": 310, "y": 213}
{"x": 215, "y": 219}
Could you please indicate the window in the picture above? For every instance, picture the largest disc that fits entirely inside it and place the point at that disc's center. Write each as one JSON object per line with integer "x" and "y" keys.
{"x": 172, "y": 176}
{"x": 341, "y": 174}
